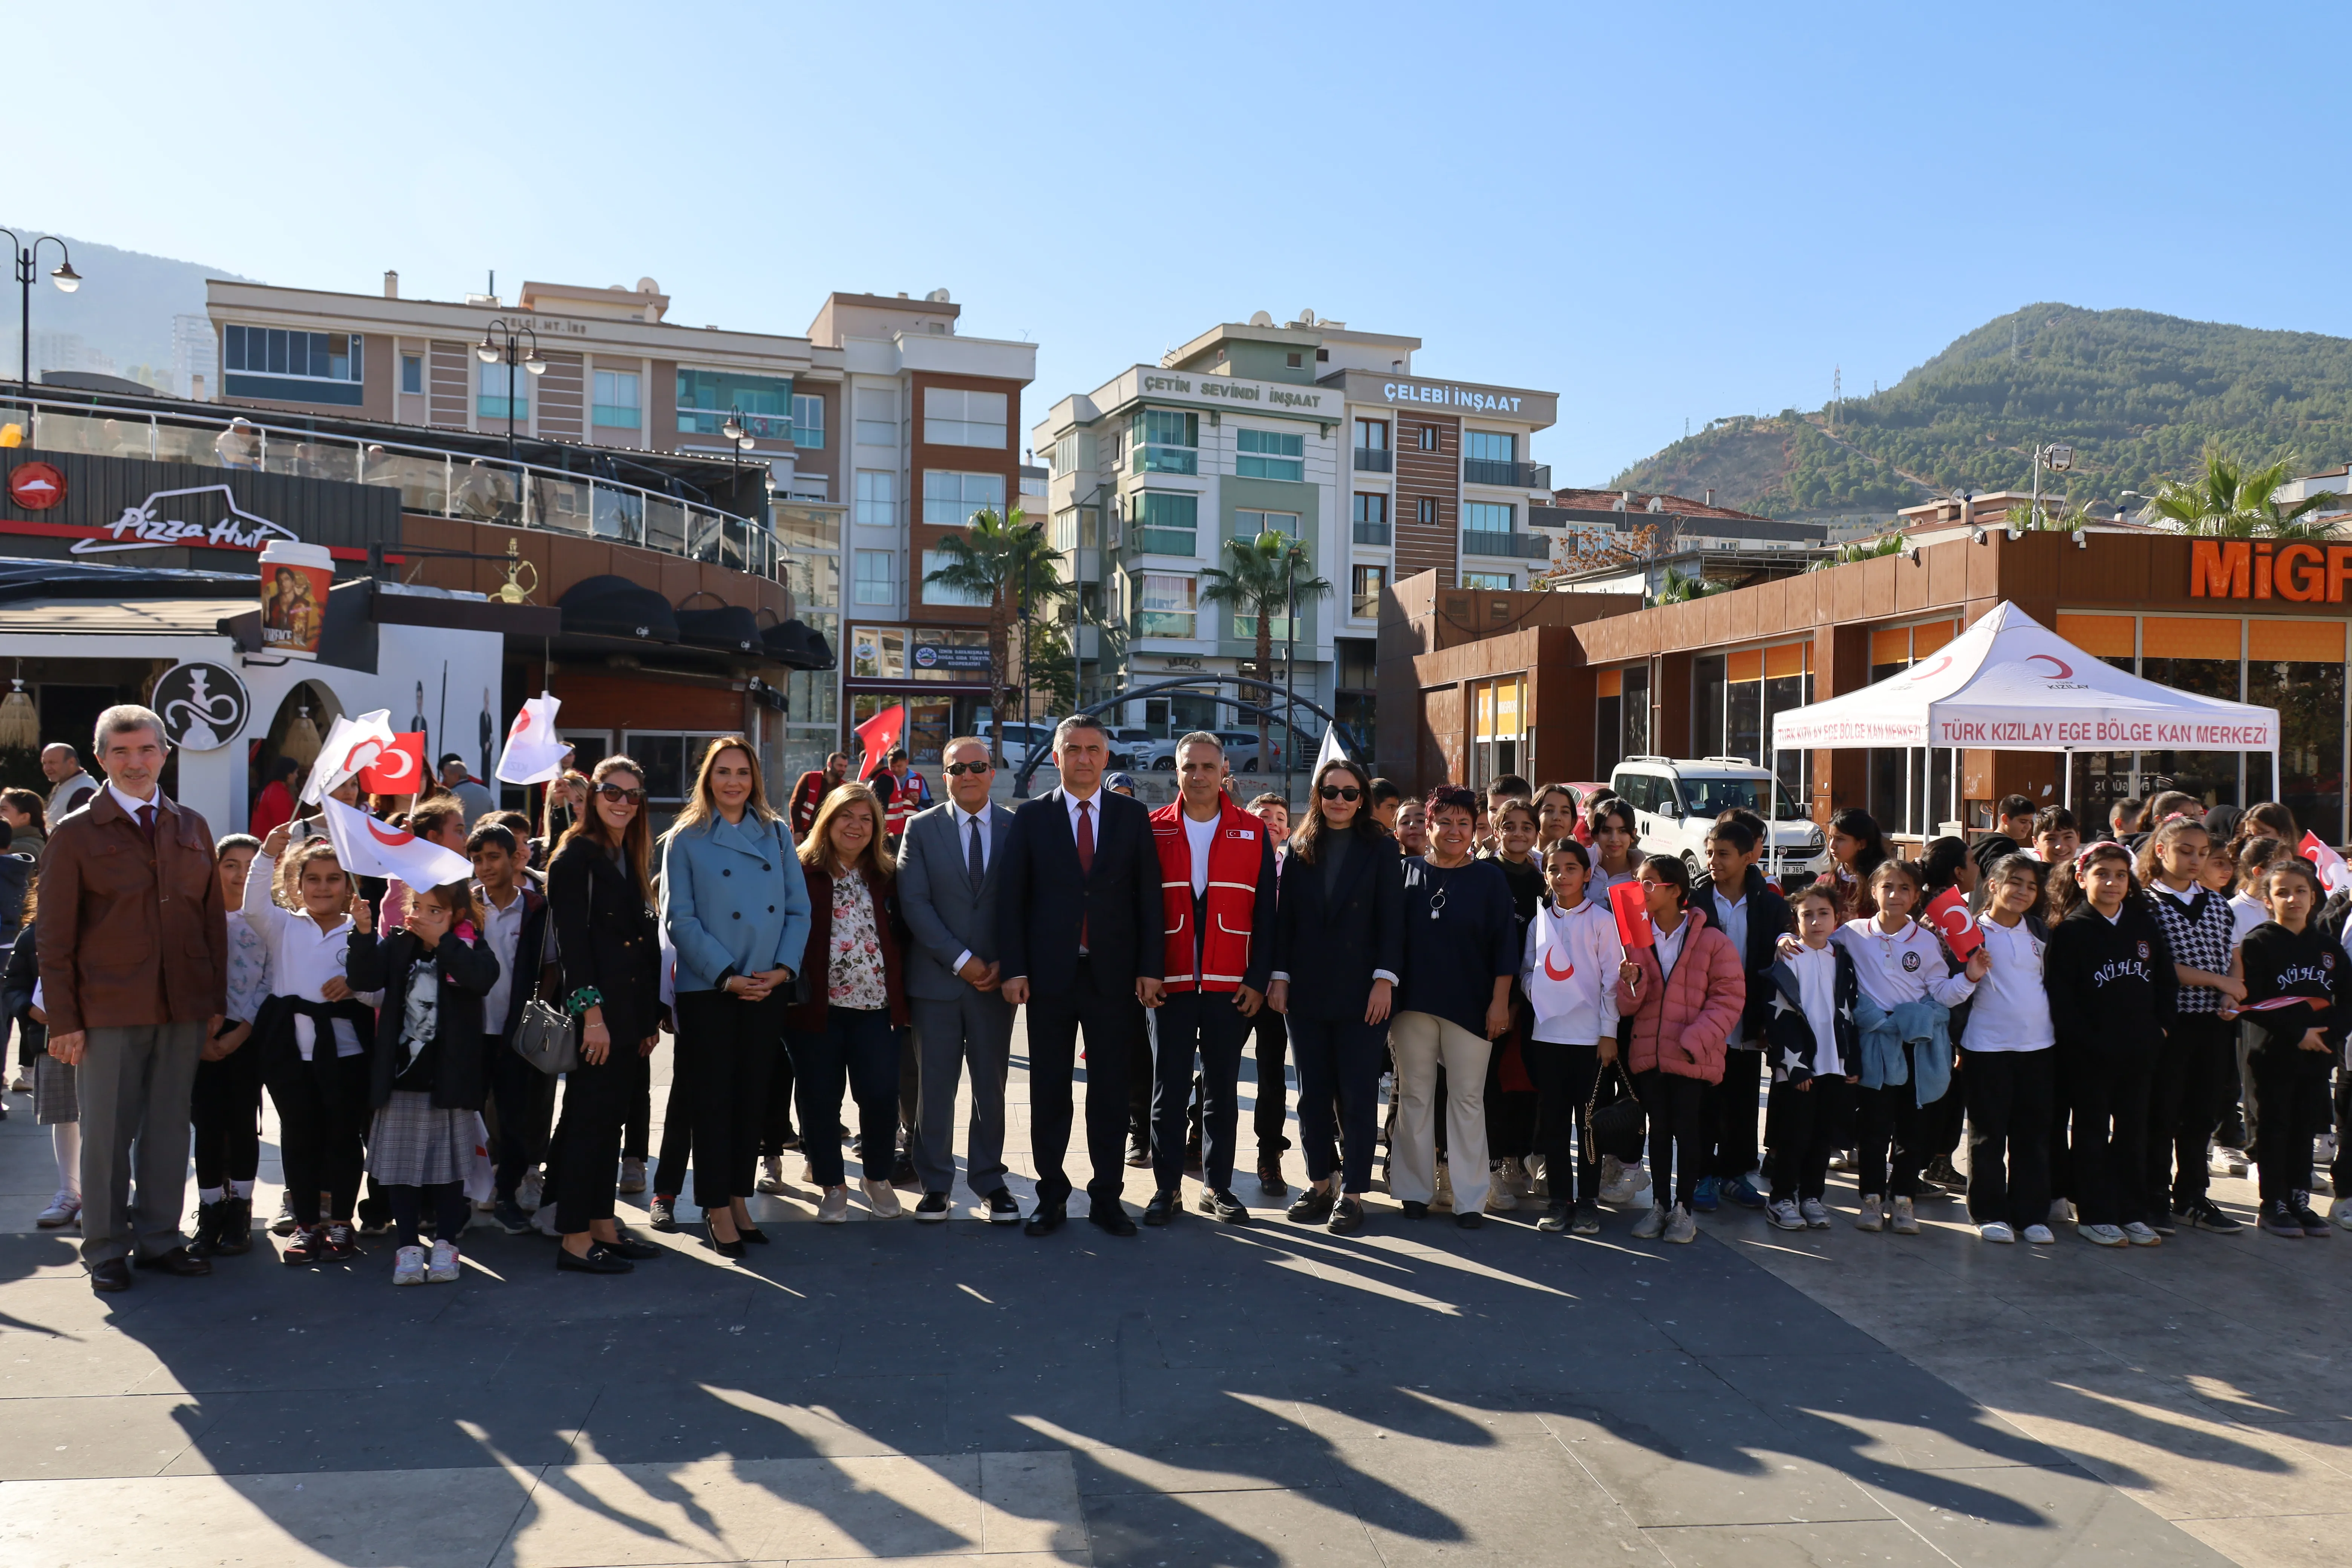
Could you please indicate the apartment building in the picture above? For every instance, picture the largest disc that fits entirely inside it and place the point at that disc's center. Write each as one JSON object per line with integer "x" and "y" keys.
{"x": 1325, "y": 433}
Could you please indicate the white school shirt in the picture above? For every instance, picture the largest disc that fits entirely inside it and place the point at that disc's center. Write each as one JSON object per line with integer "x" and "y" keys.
{"x": 502, "y": 930}
{"x": 1731, "y": 919}
{"x": 2012, "y": 1005}
{"x": 1895, "y": 967}
{"x": 2246, "y": 913}
{"x": 1581, "y": 1009}
{"x": 302, "y": 958}
{"x": 1669, "y": 946}
{"x": 1816, "y": 969}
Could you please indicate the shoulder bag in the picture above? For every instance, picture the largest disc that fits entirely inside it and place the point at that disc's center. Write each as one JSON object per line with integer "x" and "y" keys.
{"x": 543, "y": 1035}
{"x": 1613, "y": 1120}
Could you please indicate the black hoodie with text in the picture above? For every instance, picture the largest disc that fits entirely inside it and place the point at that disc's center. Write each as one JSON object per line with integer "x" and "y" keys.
{"x": 2283, "y": 963}
{"x": 2112, "y": 985}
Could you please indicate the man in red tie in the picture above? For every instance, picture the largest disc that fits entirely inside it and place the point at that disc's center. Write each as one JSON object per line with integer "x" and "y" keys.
{"x": 1078, "y": 941}
{"x": 133, "y": 941}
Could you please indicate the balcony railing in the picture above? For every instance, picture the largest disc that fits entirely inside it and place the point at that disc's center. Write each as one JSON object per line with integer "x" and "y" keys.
{"x": 1372, "y": 532}
{"x": 1516, "y": 476}
{"x": 1516, "y": 546}
{"x": 1374, "y": 460}
{"x": 431, "y": 480}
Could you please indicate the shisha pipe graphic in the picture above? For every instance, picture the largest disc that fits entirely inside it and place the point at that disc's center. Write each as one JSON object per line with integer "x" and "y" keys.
{"x": 203, "y": 709}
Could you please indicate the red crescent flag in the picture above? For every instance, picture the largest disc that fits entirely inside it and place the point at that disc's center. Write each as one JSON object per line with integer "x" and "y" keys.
{"x": 366, "y": 848}
{"x": 534, "y": 752}
{"x": 2334, "y": 875}
{"x": 1551, "y": 974}
{"x": 396, "y": 769}
{"x": 1948, "y": 912}
{"x": 877, "y": 735}
{"x": 1631, "y": 905}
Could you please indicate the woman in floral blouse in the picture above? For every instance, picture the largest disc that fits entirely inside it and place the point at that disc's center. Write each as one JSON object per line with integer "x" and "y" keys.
{"x": 842, "y": 1031}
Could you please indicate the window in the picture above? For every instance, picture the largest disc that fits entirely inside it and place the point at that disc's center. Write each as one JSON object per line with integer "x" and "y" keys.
{"x": 1165, "y": 605}
{"x": 1032, "y": 484}
{"x": 1269, "y": 455}
{"x": 1371, "y": 435}
{"x": 1077, "y": 528}
{"x": 877, "y": 581}
{"x": 1164, "y": 441}
{"x": 877, "y": 653}
{"x": 1372, "y": 519}
{"x": 412, "y": 373}
{"x": 505, "y": 393}
{"x": 1489, "y": 446}
{"x": 953, "y": 418}
{"x": 1488, "y": 517}
{"x": 1369, "y": 581}
{"x": 705, "y": 397}
{"x": 1424, "y": 509}
{"x": 1428, "y": 433}
{"x": 877, "y": 417}
{"x": 1499, "y": 580}
{"x": 939, "y": 594}
{"x": 949, "y": 500}
{"x": 300, "y": 367}
{"x": 1063, "y": 455}
{"x": 1294, "y": 360}
{"x": 808, "y": 422}
{"x": 1250, "y": 524}
{"x": 616, "y": 403}
{"x": 876, "y": 498}
{"x": 1169, "y": 521}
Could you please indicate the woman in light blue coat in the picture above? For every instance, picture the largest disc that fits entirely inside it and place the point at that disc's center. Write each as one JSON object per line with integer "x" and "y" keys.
{"x": 735, "y": 906}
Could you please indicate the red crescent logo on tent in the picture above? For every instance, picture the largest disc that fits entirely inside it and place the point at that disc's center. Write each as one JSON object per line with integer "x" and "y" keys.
{"x": 391, "y": 837}
{"x": 1942, "y": 660}
{"x": 1551, "y": 974}
{"x": 2065, "y": 670}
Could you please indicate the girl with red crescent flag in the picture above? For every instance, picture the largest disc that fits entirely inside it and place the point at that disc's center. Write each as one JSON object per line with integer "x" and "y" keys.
{"x": 2291, "y": 1048}
{"x": 1569, "y": 973}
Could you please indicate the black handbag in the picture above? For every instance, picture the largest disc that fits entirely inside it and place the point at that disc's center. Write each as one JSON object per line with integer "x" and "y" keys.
{"x": 545, "y": 1038}
{"x": 1614, "y": 1126}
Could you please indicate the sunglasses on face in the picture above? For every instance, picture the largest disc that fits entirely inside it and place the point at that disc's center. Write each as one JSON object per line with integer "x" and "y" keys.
{"x": 1339, "y": 792}
{"x": 957, "y": 770}
{"x": 616, "y": 795}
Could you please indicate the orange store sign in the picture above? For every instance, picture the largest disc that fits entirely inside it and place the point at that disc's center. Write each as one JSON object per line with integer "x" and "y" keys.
{"x": 2303, "y": 572}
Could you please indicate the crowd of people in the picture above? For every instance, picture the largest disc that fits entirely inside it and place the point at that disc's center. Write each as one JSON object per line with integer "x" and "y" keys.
{"x": 1492, "y": 996}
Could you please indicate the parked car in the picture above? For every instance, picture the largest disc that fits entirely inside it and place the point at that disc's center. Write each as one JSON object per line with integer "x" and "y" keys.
{"x": 1241, "y": 751}
{"x": 1676, "y": 800}
{"x": 1018, "y": 738}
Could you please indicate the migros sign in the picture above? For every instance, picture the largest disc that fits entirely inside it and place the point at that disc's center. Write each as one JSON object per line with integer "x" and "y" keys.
{"x": 2300, "y": 571}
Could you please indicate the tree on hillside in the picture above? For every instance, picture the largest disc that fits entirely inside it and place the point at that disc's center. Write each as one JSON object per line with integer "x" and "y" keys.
{"x": 2231, "y": 501}
{"x": 1005, "y": 564}
{"x": 1261, "y": 578}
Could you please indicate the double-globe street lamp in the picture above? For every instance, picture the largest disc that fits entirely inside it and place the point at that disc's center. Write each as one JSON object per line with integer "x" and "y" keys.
{"x": 490, "y": 351}
{"x": 62, "y": 275}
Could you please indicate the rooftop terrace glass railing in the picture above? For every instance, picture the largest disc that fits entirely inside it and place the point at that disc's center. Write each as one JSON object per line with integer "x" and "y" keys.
{"x": 432, "y": 481}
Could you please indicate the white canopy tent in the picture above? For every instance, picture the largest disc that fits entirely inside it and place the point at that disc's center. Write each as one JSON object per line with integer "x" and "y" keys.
{"x": 2010, "y": 684}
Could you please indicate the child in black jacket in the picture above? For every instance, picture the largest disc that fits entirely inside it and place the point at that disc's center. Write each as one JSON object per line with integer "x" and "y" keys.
{"x": 1816, "y": 1054}
{"x": 2291, "y": 1048}
{"x": 2111, "y": 992}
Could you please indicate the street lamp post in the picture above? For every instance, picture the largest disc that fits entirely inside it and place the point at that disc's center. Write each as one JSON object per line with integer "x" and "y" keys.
{"x": 62, "y": 275}
{"x": 490, "y": 351}
{"x": 2060, "y": 459}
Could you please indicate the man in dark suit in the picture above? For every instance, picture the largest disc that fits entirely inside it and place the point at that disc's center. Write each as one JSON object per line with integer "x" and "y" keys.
{"x": 1078, "y": 937}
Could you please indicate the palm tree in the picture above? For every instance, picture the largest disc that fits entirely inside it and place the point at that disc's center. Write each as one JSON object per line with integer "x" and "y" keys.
{"x": 1260, "y": 581}
{"x": 2230, "y": 501}
{"x": 1678, "y": 589}
{"x": 1000, "y": 562}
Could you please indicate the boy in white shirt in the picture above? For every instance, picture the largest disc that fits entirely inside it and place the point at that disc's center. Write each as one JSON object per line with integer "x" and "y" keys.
{"x": 1568, "y": 974}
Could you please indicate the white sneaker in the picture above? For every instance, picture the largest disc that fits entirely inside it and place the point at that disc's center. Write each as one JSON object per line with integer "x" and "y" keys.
{"x": 63, "y": 1210}
{"x": 1650, "y": 1225}
{"x": 2139, "y": 1235}
{"x": 1680, "y": 1226}
{"x": 833, "y": 1207}
{"x": 1628, "y": 1188}
{"x": 1874, "y": 1212}
{"x": 1816, "y": 1213}
{"x": 1785, "y": 1216}
{"x": 2041, "y": 1235}
{"x": 2342, "y": 1213}
{"x": 772, "y": 1173}
{"x": 1444, "y": 1195}
{"x": 1501, "y": 1195}
{"x": 1905, "y": 1222}
{"x": 1997, "y": 1230}
{"x": 2061, "y": 1211}
{"x": 529, "y": 1191}
{"x": 2103, "y": 1235}
{"x": 2226, "y": 1162}
{"x": 542, "y": 1220}
{"x": 444, "y": 1266}
{"x": 884, "y": 1197}
{"x": 408, "y": 1266}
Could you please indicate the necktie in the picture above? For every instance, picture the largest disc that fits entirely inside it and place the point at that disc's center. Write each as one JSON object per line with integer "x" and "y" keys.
{"x": 974, "y": 865}
{"x": 1086, "y": 859}
{"x": 147, "y": 821}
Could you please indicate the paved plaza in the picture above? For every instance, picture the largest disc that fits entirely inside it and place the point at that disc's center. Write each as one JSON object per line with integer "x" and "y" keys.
{"x": 961, "y": 1394}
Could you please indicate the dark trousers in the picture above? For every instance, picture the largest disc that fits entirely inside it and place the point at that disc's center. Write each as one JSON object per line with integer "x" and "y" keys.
{"x": 1272, "y": 1111}
{"x": 637, "y": 1136}
{"x": 1676, "y": 1107}
{"x": 776, "y": 1125}
{"x": 1731, "y": 1115}
{"x": 677, "y": 1124}
{"x": 1511, "y": 1113}
{"x": 857, "y": 1052}
{"x": 910, "y": 1090}
{"x": 2292, "y": 1086}
{"x": 2250, "y": 1090}
{"x": 1563, "y": 1075}
{"x": 2184, "y": 1107}
{"x": 582, "y": 1156}
{"x": 1809, "y": 1124}
{"x": 2010, "y": 1095}
{"x": 2339, "y": 1175}
{"x": 1889, "y": 1148}
{"x": 2109, "y": 1148}
{"x": 1942, "y": 1124}
{"x": 225, "y": 1113}
{"x": 1202, "y": 1025}
{"x": 1339, "y": 1062}
{"x": 1106, "y": 1008}
{"x": 450, "y": 1211}
{"x": 523, "y": 1099}
{"x": 726, "y": 1048}
{"x": 322, "y": 1123}
{"x": 1138, "y": 1084}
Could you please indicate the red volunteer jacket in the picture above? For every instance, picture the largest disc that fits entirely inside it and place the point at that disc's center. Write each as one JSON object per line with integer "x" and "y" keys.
{"x": 1239, "y": 903}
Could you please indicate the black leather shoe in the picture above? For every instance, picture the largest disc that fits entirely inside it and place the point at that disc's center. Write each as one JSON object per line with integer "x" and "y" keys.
{"x": 1049, "y": 1218}
{"x": 1269, "y": 1176}
{"x": 1415, "y": 1209}
{"x": 1160, "y": 1209}
{"x": 1469, "y": 1219}
{"x": 630, "y": 1246}
{"x": 1111, "y": 1219}
{"x": 178, "y": 1260}
{"x": 1002, "y": 1209}
{"x": 1348, "y": 1218}
{"x": 599, "y": 1259}
{"x": 1223, "y": 1206}
{"x": 902, "y": 1171}
{"x": 752, "y": 1234}
{"x": 727, "y": 1248}
{"x": 933, "y": 1208}
{"x": 1312, "y": 1206}
{"x": 110, "y": 1277}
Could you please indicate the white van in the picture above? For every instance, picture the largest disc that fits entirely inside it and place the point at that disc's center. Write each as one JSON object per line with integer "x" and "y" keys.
{"x": 1676, "y": 799}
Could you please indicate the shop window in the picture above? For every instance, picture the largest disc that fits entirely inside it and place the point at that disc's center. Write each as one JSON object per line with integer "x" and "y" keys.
{"x": 1269, "y": 455}
{"x": 956, "y": 419}
{"x": 877, "y": 653}
{"x": 2297, "y": 667}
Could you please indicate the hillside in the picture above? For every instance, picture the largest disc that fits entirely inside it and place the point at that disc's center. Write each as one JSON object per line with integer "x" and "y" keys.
{"x": 119, "y": 321}
{"x": 2138, "y": 396}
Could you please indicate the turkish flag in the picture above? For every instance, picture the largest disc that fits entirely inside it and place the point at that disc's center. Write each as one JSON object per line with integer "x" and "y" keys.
{"x": 2334, "y": 875}
{"x": 399, "y": 768}
{"x": 1631, "y": 905}
{"x": 877, "y": 735}
{"x": 1948, "y": 915}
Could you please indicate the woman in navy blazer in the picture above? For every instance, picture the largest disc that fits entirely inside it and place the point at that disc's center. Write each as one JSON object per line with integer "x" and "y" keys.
{"x": 736, "y": 908}
{"x": 1338, "y": 949}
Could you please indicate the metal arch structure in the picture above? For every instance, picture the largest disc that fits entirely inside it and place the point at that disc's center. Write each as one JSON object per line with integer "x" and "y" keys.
{"x": 1272, "y": 689}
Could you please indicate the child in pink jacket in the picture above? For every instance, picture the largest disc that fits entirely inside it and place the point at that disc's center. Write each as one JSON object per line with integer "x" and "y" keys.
{"x": 1683, "y": 992}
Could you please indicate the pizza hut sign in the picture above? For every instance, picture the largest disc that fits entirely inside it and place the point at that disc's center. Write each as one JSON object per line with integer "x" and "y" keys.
{"x": 149, "y": 525}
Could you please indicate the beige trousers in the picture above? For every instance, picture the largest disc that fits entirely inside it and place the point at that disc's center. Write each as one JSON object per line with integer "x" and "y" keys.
{"x": 1421, "y": 1043}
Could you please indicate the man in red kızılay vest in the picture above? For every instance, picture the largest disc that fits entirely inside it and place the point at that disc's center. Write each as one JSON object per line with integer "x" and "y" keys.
{"x": 1217, "y": 892}
{"x": 809, "y": 792}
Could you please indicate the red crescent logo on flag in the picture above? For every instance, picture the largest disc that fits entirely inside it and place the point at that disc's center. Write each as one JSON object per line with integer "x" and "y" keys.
{"x": 522, "y": 722}
{"x": 2065, "y": 670}
{"x": 1551, "y": 974}
{"x": 390, "y": 837}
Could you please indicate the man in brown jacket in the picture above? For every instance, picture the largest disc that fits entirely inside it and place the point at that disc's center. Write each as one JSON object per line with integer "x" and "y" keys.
{"x": 134, "y": 966}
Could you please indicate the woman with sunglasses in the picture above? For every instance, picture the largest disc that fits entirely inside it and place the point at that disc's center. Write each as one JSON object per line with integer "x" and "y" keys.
{"x": 608, "y": 943}
{"x": 1339, "y": 948}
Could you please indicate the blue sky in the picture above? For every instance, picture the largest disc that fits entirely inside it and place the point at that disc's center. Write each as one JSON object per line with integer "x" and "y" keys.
{"x": 1660, "y": 212}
